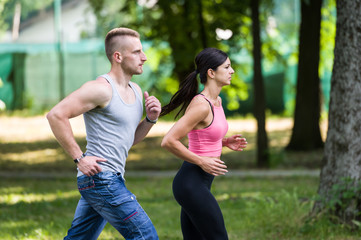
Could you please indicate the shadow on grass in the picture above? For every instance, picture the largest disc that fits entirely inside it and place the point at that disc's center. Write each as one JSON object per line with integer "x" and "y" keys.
{"x": 148, "y": 155}
{"x": 43, "y": 209}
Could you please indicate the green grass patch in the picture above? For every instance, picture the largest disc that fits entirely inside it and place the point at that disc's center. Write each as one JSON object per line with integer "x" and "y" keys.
{"x": 253, "y": 208}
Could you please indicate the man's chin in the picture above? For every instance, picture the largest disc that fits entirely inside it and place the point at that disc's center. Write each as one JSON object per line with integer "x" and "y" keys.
{"x": 138, "y": 72}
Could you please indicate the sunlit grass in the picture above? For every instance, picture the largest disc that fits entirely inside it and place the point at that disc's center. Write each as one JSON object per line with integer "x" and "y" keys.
{"x": 23, "y": 196}
{"x": 32, "y": 157}
{"x": 23, "y": 150}
{"x": 253, "y": 208}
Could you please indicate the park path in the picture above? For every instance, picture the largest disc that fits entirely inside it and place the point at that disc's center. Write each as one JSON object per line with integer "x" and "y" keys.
{"x": 37, "y": 128}
{"x": 28, "y": 129}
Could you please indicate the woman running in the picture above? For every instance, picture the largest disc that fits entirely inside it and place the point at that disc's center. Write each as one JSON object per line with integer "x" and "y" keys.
{"x": 205, "y": 124}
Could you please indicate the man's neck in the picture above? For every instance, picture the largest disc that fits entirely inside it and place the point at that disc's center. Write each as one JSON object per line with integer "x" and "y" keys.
{"x": 119, "y": 77}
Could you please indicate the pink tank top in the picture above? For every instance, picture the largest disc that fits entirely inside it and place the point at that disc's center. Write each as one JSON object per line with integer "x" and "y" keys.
{"x": 208, "y": 141}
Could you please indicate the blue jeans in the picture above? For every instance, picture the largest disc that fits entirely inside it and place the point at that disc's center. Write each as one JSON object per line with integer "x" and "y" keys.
{"x": 105, "y": 198}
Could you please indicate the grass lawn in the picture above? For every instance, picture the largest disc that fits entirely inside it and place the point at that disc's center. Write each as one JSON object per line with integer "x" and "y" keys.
{"x": 253, "y": 208}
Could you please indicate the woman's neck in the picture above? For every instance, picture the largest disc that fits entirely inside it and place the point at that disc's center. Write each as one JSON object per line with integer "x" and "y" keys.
{"x": 212, "y": 94}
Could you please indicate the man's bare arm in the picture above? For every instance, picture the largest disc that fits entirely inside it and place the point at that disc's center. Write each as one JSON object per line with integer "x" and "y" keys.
{"x": 152, "y": 109}
{"x": 91, "y": 95}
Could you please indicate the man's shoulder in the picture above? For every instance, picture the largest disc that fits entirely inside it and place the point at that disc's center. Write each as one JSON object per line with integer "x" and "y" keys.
{"x": 98, "y": 91}
{"x": 101, "y": 80}
{"x": 98, "y": 85}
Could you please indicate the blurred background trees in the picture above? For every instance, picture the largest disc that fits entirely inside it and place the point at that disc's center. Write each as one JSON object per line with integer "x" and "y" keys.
{"x": 275, "y": 54}
{"x": 259, "y": 105}
{"x": 306, "y": 134}
{"x": 174, "y": 31}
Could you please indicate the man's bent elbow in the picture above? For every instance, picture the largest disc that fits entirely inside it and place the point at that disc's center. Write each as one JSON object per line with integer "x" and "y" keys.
{"x": 49, "y": 116}
{"x": 52, "y": 116}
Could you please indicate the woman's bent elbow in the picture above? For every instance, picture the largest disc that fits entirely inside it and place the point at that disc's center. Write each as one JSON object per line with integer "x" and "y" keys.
{"x": 166, "y": 143}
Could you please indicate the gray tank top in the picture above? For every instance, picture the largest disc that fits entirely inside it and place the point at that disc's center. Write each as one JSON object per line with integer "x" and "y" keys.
{"x": 110, "y": 130}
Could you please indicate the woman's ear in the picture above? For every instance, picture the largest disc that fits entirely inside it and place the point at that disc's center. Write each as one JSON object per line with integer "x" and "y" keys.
{"x": 210, "y": 73}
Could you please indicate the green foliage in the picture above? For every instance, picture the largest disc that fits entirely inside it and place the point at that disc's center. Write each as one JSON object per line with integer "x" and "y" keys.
{"x": 3, "y": 24}
{"x": 186, "y": 26}
{"x": 328, "y": 33}
{"x": 236, "y": 91}
{"x": 340, "y": 208}
{"x": 28, "y": 8}
{"x": 179, "y": 29}
{"x": 343, "y": 201}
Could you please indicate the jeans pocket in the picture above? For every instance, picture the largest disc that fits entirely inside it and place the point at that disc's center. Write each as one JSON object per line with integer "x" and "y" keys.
{"x": 85, "y": 182}
{"x": 129, "y": 218}
{"x": 125, "y": 199}
{"x": 127, "y": 206}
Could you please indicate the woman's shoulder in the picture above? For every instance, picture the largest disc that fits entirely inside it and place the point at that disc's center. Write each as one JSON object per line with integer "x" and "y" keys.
{"x": 199, "y": 99}
{"x": 200, "y": 104}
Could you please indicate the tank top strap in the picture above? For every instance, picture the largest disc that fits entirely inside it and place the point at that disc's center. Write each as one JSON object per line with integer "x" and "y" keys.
{"x": 109, "y": 79}
{"x": 135, "y": 91}
{"x": 210, "y": 103}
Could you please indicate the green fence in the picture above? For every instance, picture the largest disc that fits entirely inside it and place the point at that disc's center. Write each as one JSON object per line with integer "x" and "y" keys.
{"x": 30, "y": 72}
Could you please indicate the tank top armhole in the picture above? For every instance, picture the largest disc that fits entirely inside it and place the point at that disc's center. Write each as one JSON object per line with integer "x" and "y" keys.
{"x": 109, "y": 80}
{"x": 211, "y": 105}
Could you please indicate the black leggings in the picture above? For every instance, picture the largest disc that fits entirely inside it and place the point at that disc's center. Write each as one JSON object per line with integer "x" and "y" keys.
{"x": 201, "y": 217}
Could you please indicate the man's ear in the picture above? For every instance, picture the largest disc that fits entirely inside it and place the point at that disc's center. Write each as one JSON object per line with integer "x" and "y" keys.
{"x": 117, "y": 56}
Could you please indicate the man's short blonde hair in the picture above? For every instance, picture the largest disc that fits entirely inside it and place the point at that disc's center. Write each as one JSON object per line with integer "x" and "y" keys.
{"x": 110, "y": 39}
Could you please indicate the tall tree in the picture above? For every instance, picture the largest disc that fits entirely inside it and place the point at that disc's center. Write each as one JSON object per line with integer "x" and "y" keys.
{"x": 187, "y": 26}
{"x": 10, "y": 8}
{"x": 341, "y": 173}
{"x": 259, "y": 92}
{"x": 306, "y": 134}
{"x": 185, "y": 30}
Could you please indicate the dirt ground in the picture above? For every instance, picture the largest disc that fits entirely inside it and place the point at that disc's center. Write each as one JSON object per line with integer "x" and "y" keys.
{"x": 19, "y": 129}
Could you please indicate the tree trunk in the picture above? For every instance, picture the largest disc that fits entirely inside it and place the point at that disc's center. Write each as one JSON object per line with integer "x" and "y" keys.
{"x": 16, "y": 21}
{"x": 178, "y": 25}
{"x": 202, "y": 29}
{"x": 259, "y": 92}
{"x": 17, "y": 78}
{"x": 306, "y": 134}
{"x": 341, "y": 173}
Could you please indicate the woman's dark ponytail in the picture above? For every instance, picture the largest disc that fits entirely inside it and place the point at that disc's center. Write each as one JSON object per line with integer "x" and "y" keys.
{"x": 208, "y": 58}
{"x": 188, "y": 88}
